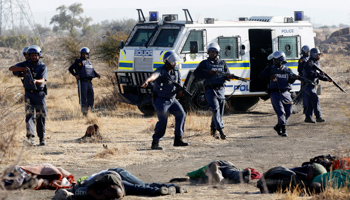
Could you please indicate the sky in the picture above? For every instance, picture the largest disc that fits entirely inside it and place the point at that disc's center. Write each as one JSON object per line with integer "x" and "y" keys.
{"x": 324, "y": 12}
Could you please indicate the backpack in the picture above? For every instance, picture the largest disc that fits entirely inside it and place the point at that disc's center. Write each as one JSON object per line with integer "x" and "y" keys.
{"x": 325, "y": 161}
{"x": 277, "y": 179}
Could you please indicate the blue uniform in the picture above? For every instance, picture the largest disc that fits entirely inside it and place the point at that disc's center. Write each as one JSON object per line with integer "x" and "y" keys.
{"x": 35, "y": 100}
{"x": 86, "y": 72}
{"x": 301, "y": 65}
{"x": 165, "y": 102}
{"x": 279, "y": 91}
{"x": 310, "y": 91}
{"x": 302, "y": 62}
{"x": 214, "y": 88}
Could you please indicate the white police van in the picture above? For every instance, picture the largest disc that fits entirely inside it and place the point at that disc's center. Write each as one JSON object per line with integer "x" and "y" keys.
{"x": 245, "y": 46}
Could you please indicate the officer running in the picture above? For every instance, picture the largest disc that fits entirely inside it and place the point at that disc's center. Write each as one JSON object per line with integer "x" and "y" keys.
{"x": 214, "y": 87}
{"x": 35, "y": 93}
{"x": 310, "y": 94}
{"x": 164, "y": 101}
{"x": 84, "y": 72}
{"x": 279, "y": 87}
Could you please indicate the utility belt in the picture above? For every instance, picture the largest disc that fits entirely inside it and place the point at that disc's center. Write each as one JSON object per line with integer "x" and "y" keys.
{"x": 86, "y": 80}
{"x": 214, "y": 86}
{"x": 34, "y": 91}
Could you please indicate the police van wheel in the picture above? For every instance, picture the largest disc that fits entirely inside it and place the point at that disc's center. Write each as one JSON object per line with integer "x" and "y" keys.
{"x": 147, "y": 110}
{"x": 198, "y": 101}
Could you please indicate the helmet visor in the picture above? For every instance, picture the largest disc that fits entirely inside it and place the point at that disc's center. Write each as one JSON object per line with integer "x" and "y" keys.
{"x": 173, "y": 59}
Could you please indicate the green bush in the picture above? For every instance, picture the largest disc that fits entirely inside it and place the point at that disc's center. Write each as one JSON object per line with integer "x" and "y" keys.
{"x": 17, "y": 41}
{"x": 108, "y": 50}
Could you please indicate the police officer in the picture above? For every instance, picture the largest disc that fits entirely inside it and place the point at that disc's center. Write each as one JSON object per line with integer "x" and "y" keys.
{"x": 164, "y": 100}
{"x": 310, "y": 94}
{"x": 214, "y": 84}
{"x": 35, "y": 93}
{"x": 305, "y": 50}
{"x": 84, "y": 72}
{"x": 279, "y": 87}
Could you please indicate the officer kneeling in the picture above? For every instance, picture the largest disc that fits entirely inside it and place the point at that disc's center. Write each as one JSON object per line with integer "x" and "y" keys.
{"x": 164, "y": 100}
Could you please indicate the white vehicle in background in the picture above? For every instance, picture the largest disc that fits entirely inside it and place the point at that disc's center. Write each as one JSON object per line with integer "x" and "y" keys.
{"x": 245, "y": 46}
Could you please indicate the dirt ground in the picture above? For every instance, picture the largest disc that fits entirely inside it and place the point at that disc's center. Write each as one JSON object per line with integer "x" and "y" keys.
{"x": 251, "y": 142}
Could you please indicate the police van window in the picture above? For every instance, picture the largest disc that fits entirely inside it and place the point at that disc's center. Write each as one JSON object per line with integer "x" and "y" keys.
{"x": 166, "y": 37}
{"x": 228, "y": 48}
{"x": 289, "y": 45}
{"x": 194, "y": 36}
{"x": 141, "y": 37}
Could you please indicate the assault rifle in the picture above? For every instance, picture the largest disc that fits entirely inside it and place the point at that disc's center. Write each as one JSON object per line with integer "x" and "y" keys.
{"x": 180, "y": 88}
{"x": 335, "y": 83}
{"x": 232, "y": 76}
{"x": 31, "y": 77}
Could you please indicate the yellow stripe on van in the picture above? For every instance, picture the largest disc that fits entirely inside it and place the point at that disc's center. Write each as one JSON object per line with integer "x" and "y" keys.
{"x": 123, "y": 54}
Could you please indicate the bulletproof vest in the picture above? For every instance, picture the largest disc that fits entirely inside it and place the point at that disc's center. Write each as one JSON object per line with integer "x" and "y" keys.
{"x": 282, "y": 78}
{"x": 163, "y": 86}
{"x": 87, "y": 70}
{"x": 36, "y": 72}
{"x": 216, "y": 79}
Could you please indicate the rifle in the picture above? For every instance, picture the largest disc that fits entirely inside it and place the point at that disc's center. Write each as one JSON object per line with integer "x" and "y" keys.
{"x": 335, "y": 83}
{"x": 180, "y": 88}
{"x": 232, "y": 76}
{"x": 31, "y": 77}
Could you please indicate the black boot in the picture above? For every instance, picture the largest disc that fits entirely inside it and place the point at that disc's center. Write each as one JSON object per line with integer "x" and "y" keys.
{"x": 277, "y": 129}
{"x": 222, "y": 135}
{"x": 178, "y": 142}
{"x": 320, "y": 119}
{"x": 214, "y": 134}
{"x": 155, "y": 145}
{"x": 283, "y": 131}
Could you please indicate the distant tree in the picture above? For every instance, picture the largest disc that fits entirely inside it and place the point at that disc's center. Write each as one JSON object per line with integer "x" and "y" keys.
{"x": 91, "y": 30}
{"x": 43, "y": 30}
{"x": 341, "y": 25}
{"x": 125, "y": 25}
{"x": 69, "y": 18}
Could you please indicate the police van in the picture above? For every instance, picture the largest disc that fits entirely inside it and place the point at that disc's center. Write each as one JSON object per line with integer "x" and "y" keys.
{"x": 244, "y": 45}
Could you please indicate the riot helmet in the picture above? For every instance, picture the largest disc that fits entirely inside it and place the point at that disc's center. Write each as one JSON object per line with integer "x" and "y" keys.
{"x": 278, "y": 55}
{"x": 171, "y": 58}
{"x": 85, "y": 50}
{"x": 214, "y": 46}
{"x": 305, "y": 49}
{"x": 314, "y": 52}
{"x": 25, "y": 50}
{"x": 34, "y": 49}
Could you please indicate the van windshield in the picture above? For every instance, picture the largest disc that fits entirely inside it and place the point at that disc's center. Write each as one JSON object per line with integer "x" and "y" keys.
{"x": 141, "y": 36}
{"x": 166, "y": 37}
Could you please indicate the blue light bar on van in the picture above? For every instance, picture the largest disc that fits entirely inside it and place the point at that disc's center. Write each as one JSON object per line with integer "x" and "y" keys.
{"x": 298, "y": 15}
{"x": 153, "y": 16}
